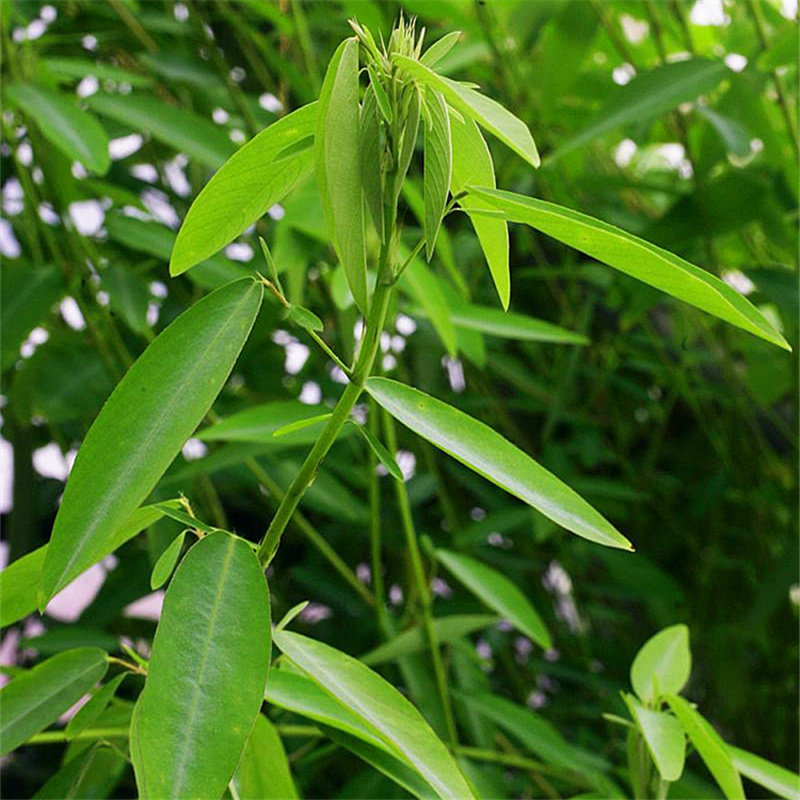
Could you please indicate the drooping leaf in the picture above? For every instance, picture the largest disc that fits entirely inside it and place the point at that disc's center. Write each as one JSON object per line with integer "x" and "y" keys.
{"x": 486, "y": 452}
{"x": 263, "y": 772}
{"x": 777, "y": 779}
{"x": 438, "y": 167}
{"x": 165, "y": 565}
{"x": 382, "y": 706}
{"x": 382, "y": 454}
{"x": 662, "y": 665}
{"x": 143, "y": 425}
{"x": 93, "y": 707}
{"x": 207, "y": 673}
{"x": 78, "y": 135}
{"x": 37, "y": 698}
{"x": 664, "y": 737}
{"x": 488, "y": 113}
{"x": 252, "y": 180}
{"x": 710, "y": 746}
{"x": 499, "y": 593}
{"x": 637, "y": 258}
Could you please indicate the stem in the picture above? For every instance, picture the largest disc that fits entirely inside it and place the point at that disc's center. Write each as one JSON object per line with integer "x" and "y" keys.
{"x": 375, "y": 544}
{"x": 49, "y": 737}
{"x": 511, "y": 760}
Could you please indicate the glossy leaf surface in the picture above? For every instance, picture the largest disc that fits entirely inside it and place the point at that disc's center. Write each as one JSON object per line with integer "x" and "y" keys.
{"x": 777, "y": 779}
{"x": 664, "y": 736}
{"x": 663, "y": 664}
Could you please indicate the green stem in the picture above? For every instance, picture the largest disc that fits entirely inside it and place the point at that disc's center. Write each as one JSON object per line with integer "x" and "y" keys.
{"x": 512, "y": 760}
{"x": 375, "y": 544}
{"x": 91, "y": 734}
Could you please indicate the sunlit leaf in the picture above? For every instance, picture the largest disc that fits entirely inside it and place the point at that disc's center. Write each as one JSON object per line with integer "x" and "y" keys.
{"x": 777, "y": 779}
{"x": 664, "y": 737}
{"x": 663, "y": 664}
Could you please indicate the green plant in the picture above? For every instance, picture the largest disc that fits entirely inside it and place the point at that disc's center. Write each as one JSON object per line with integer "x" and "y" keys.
{"x": 211, "y": 655}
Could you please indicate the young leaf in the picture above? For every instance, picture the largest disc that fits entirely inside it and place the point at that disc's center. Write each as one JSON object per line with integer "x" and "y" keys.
{"x": 381, "y": 98}
{"x": 784, "y": 783}
{"x": 486, "y": 452}
{"x": 664, "y": 737}
{"x": 382, "y": 454}
{"x": 382, "y": 706}
{"x": 143, "y": 425}
{"x": 93, "y": 707}
{"x": 637, "y": 258}
{"x": 489, "y": 114}
{"x": 370, "y": 149}
{"x": 301, "y": 424}
{"x": 341, "y": 162}
{"x": 166, "y": 562}
{"x": 499, "y": 593}
{"x": 37, "y": 698}
{"x": 76, "y": 133}
{"x": 662, "y": 665}
{"x": 263, "y": 772}
{"x": 437, "y": 168}
{"x": 440, "y": 48}
{"x": 179, "y": 515}
{"x": 472, "y": 166}
{"x": 306, "y": 319}
{"x": 409, "y": 140}
{"x": 710, "y": 746}
{"x": 207, "y": 673}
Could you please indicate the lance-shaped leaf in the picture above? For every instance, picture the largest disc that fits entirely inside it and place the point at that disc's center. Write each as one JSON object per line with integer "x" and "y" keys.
{"x": 207, "y": 674}
{"x": 78, "y": 135}
{"x": 440, "y": 48}
{"x": 488, "y": 113}
{"x": 94, "y": 706}
{"x": 472, "y": 166}
{"x": 166, "y": 562}
{"x": 252, "y": 180}
{"x": 637, "y": 258}
{"x": 663, "y": 664}
{"x": 499, "y": 593}
{"x": 664, "y": 737}
{"x": 438, "y": 167}
{"x": 710, "y": 746}
{"x": 143, "y": 425}
{"x": 370, "y": 149}
{"x": 777, "y": 779}
{"x": 486, "y": 452}
{"x": 339, "y": 161}
{"x": 382, "y": 706}
{"x": 263, "y": 772}
{"x": 37, "y": 698}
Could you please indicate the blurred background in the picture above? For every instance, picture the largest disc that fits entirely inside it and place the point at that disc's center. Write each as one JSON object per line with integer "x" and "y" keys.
{"x": 674, "y": 120}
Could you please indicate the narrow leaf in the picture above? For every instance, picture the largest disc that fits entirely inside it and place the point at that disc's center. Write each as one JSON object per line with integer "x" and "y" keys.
{"x": 662, "y": 665}
{"x": 263, "y": 772}
{"x": 664, "y": 737}
{"x": 437, "y": 168}
{"x": 409, "y": 140}
{"x": 371, "y": 152}
{"x": 783, "y": 782}
{"x": 440, "y": 48}
{"x": 93, "y": 707}
{"x": 306, "y": 319}
{"x": 486, "y": 452}
{"x": 166, "y": 562}
{"x": 381, "y": 453}
{"x": 301, "y": 424}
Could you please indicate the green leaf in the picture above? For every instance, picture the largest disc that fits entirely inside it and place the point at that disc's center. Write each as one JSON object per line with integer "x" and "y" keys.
{"x": 70, "y": 69}
{"x": 381, "y": 453}
{"x": 301, "y": 424}
{"x": 20, "y": 579}
{"x": 710, "y": 746}
{"x": 637, "y": 258}
{"x": 382, "y": 706}
{"x": 177, "y": 513}
{"x": 413, "y": 640}
{"x": 486, "y": 452}
{"x": 409, "y": 140}
{"x": 784, "y": 50}
{"x": 664, "y": 737}
{"x": 371, "y": 155}
{"x": 143, "y": 425}
{"x": 178, "y": 128}
{"x": 784, "y": 783}
{"x": 93, "y": 707}
{"x": 438, "y": 167}
{"x": 252, "y": 180}
{"x": 499, "y": 593}
{"x": 662, "y": 665}
{"x": 304, "y": 318}
{"x": 381, "y": 98}
{"x": 129, "y": 296}
{"x": 37, "y": 698}
{"x": 206, "y": 679}
{"x": 648, "y": 95}
{"x": 510, "y": 130}
{"x": 440, "y": 48}
{"x": 91, "y": 774}
{"x": 340, "y": 164}
{"x": 735, "y": 136}
{"x": 472, "y": 166}
{"x": 263, "y": 772}
{"x": 64, "y": 124}
{"x": 166, "y": 562}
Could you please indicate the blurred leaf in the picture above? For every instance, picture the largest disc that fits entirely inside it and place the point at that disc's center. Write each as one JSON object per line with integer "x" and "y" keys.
{"x": 663, "y": 664}
{"x": 129, "y": 296}
{"x": 424, "y": 286}
{"x": 93, "y": 707}
{"x": 89, "y": 775}
{"x": 380, "y": 451}
{"x": 263, "y": 772}
{"x": 440, "y": 48}
{"x": 783, "y": 50}
{"x": 784, "y": 783}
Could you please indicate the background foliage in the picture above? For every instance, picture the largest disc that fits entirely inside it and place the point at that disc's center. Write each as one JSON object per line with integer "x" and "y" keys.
{"x": 679, "y": 429}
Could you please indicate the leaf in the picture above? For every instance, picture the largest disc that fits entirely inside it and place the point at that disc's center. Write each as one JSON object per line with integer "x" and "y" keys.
{"x": 179, "y": 515}
{"x": 129, "y": 296}
{"x": 735, "y": 136}
{"x": 382, "y": 706}
{"x": 371, "y": 154}
{"x": 440, "y": 48}
{"x": 304, "y": 318}
{"x": 637, "y": 258}
{"x": 486, "y": 452}
{"x": 340, "y": 160}
{"x": 381, "y": 453}
{"x": 207, "y": 673}
{"x": 166, "y": 562}
{"x": 250, "y": 182}
{"x": 662, "y": 665}
{"x": 472, "y": 166}
{"x": 648, "y": 95}
{"x": 438, "y": 167}
{"x": 93, "y": 707}
{"x": 300, "y": 424}
{"x": 263, "y": 772}
{"x": 143, "y": 425}
{"x": 499, "y": 593}
{"x": 19, "y": 581}
{"x": 784, "y": 783}
{"x": 664, "y": 737}
{"x": 710, "y": 746}
{"x": 408, "y": 142}
{"x": 489, "y": 114}
{"x": 37, "y": 698}
{"x": 78, "y": 134}
{"x": 783, "y": 50}
{"x": 177, "y": 128}
{"x": 412, "y": 640}
{"x": 91, "y": 774}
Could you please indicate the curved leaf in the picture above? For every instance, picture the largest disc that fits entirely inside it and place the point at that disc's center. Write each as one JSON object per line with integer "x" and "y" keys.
{"x": 166, "y": 562}
{"x": 486, "y": 452}
{"x": 143, "y": 425}
{"x": 206, "y": 679}
{"x": 662, "y": 665}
